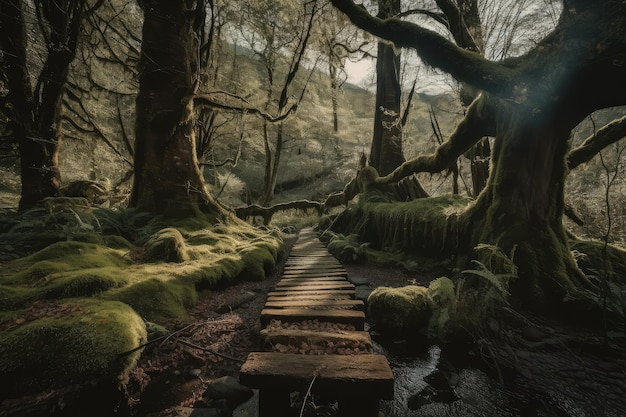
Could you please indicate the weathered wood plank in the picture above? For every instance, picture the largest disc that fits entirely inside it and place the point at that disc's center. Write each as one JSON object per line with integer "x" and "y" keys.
{"x": 290, "y": 315}
{"x": 315, "y": 281}
{"x": 317, "y": 304}
{"x": 298, "y": 278}
{"x": 315, "y": 286}
{"x": 339, "y": 376}
{"x": 329, "y": 293}
{"x": 291, "y": 337}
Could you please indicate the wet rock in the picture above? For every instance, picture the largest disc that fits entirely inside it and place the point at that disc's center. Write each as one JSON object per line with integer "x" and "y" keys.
{"x": 358, "y": 280}
{"x": 229, "y": 389}
{"x": 362, "y": 292}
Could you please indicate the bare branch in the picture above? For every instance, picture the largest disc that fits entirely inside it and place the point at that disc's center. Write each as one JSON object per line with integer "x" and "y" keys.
{"x": 608, "y": 134}
{"x": 207, "y": 101}
{"x": 478, "y": 122}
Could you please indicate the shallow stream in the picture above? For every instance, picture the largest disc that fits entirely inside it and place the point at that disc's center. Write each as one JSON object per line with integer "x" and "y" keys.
{"x": 426, "y": 385}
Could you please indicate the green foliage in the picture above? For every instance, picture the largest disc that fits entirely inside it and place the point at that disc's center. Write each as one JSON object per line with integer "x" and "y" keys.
{"x": 477, "y": 300}
{"x": 348, "y": 248}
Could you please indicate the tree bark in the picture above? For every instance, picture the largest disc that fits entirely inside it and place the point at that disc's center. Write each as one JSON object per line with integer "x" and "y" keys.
{"x": 386, "y": 153}
{"x": 35, "y": 114}
{"x": 167, "y": 175}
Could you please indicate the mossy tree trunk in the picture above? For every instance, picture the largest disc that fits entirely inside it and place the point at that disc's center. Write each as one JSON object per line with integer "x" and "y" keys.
{"x": 521, "y": 209}
{"x": 35, "y": 114}
{"x": 535, "y": 101}
{"x": 167, "y": 175}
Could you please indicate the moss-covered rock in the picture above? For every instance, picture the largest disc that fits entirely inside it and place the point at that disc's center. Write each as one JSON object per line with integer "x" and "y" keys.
{"x": 441, "y": 293}
{"x": 400, "y": 309}
{"x": 77, "y": 340}
{"x": 166, "y": 245}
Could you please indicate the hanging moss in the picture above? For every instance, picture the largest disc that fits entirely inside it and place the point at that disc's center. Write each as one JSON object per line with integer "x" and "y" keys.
{"x": 430, "y": 226}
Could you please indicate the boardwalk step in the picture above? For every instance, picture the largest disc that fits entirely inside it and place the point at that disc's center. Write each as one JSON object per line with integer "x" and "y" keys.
{"x": 315, "y": 281}
{"x": 317, "y": 304}
{"x": 352, "y": 339}
{"x": 310, "y": 296}
{"x": 329, "y": 292}
{"x": 349, "y": 375}
{"x": 316, "y": 286}
{"x": 352, "y": 317}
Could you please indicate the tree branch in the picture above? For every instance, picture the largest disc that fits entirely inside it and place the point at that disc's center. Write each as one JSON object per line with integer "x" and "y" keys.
{"x": 608, "y": 134}
{"x": 478, "y": 122}
{"x": 436, "y": 50}
{"x": 206, "y": 101}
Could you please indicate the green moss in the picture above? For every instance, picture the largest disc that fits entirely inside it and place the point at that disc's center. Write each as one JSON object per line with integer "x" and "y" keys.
{"x": 112, "y": 283}
{"x": 47, "y": 352}
{"x": 77, "y": 255}
{"x": 156, "y": 298}
{"x": 166, "y": 245}
{"x": 258, "y": 261}
{"x": 404, "y": 308}
{"x": 429, "y": 226}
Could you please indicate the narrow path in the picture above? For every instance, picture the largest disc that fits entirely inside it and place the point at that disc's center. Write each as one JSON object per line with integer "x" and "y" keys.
{"x": 314, "y": 339}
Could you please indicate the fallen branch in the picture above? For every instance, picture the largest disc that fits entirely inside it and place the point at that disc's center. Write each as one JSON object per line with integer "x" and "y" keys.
{"x": 221, "y": 355}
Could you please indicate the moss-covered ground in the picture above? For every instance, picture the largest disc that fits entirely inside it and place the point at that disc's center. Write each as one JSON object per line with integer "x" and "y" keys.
{"x": 77, "y": 285}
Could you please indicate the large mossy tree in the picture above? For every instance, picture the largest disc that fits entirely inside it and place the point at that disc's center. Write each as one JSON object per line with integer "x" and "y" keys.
{"x": 167, "y": 175}
{"x": 529, "y": 104}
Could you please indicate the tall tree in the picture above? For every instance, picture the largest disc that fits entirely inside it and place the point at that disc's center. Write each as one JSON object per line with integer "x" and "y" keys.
{"x": 386, "y": 153}
{"x": 34, "y": 113}
{"x": 167, "y": 176}
{"x": 530, "y": 104}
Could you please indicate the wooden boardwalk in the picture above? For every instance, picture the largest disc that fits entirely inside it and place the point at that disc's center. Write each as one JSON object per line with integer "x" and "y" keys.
{"x": 313, "y": 338}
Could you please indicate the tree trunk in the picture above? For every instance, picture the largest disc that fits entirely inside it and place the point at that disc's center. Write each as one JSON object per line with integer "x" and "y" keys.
{"x": 35, "y": 115}
{"x": 272, "y": 159}
{"x": 386, "y": 153}
{"x": 167, "y": 176}
{"x": 521, "y": 209}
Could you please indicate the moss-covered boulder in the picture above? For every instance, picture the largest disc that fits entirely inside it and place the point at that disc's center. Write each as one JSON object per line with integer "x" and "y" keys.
{"x": 54, "y": 344}
{"x": 166, "y": 245}
{"x": 400, "y": 309}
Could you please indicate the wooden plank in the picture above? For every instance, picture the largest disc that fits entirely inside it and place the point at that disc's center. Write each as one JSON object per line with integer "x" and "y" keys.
{"x": 316, "y": 304}
{"x": 316, "y": 281}
{"x": 315, "y": 286}
{"x": 290, "y": 315}
{"x": 326, "y": 296}
{"x": 324, "y": 293}
{"x": 339, "y": 376}
{"x": 298, "y": 278}
{"x": 360, "y": 339}
{"x": 313, "y": 270}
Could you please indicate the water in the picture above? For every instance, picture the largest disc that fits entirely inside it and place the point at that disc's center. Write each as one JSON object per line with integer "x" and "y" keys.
{"x": 462, "y": 393}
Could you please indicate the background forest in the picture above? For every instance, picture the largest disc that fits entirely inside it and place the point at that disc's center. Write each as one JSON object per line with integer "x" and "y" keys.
{"x": 248, "y": 63}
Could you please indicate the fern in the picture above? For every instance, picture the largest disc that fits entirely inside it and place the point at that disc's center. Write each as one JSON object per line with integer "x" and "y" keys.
{"x": 498, "y": 281}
